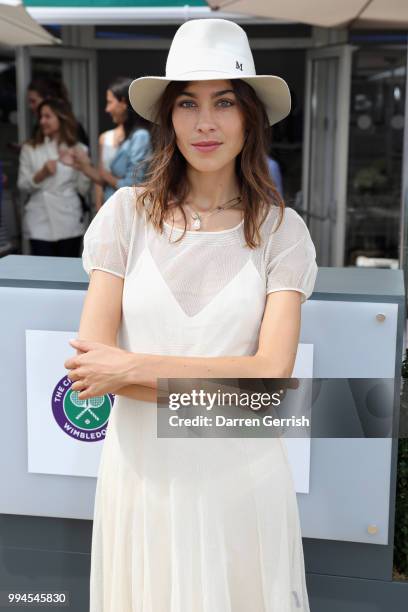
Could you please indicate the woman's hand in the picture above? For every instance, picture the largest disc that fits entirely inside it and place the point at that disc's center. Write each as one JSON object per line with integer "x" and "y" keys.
{"x": 48, "y": 169}
{"x": 66, "y": 156}
{"x": 99, "y": 369}
{"x": 80, "y": 159}
{"x": 82, "y": 163}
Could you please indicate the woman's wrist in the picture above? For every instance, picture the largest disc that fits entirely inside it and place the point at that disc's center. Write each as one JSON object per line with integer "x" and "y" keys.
{"x": 109, "y": 178}
{"x": 145, "y": 394}
{"x": 86, "y": 168}
{"x": 91, "y": 172}
{"x": 41, "y": 175}
{"x": 140, "y": 369}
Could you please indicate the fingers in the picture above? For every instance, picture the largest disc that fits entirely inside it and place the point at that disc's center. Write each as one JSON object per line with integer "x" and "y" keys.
{"x": 51, "y": 166}
{"x": 88, "y": 393}
{"x": 79, "y": 385}
{"x": 80, "y": 158}
{"x": 71, "y": 364}
{"x": 85, "y": 390}
{"x": 74, "y": 375}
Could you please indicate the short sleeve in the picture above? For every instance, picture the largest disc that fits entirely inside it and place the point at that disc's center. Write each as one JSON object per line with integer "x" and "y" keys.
{"x": 107, "y": 239}
{"x": 26, "y": 170}
{"x": 291, "y": 257}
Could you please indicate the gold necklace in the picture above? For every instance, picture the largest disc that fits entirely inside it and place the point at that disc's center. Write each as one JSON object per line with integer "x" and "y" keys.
{"x": 197, "y": 217}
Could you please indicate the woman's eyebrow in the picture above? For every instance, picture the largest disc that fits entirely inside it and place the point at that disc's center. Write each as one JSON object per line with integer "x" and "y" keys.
{"x": 214, "y": 95}
{"x": 222, "y": 92}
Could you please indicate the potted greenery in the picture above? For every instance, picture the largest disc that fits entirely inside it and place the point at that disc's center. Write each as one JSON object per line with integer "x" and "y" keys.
{"x": 401, "y": 509}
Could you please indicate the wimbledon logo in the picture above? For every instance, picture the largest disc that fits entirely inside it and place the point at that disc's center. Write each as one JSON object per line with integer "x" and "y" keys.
{"x": 83, "y": 419}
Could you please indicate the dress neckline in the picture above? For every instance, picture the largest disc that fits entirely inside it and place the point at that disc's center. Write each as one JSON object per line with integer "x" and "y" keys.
{"x": 180, "y": 229}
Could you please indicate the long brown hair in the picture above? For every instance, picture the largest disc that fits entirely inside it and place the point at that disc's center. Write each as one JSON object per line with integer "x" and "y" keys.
{"x": 68, "y": 131}
{"x": 166, "y": 183}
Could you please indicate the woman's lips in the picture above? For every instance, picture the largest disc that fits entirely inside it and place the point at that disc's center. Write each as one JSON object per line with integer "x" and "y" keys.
{"x": 206, "y": 147}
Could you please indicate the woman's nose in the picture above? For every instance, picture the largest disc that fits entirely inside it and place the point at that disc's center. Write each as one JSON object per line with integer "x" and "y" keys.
{"x": 205, "y": 119}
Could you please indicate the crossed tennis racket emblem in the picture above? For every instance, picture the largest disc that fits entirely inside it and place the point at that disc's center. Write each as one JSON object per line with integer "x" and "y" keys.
{"x": 87, "y": 404}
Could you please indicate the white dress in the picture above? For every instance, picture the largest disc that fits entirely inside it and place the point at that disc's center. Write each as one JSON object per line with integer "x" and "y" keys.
{"x": 187, "y": 524}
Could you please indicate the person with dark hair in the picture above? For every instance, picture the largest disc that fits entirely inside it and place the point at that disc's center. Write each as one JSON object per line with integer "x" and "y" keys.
{"x": 198, "y": 273}
{"x": 42, "y": 87}
{"x": 53, "y": 213}
{"x": 131, "y": 141}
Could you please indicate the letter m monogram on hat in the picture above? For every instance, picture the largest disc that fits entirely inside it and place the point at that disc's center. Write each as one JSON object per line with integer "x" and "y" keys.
{"x": 238, "y": 65}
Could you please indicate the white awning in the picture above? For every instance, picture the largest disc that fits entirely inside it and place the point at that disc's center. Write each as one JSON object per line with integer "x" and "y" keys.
{"x": 17, "y": 28}
{"x": 125, "y": 12}
{"x": 325, "y": 13}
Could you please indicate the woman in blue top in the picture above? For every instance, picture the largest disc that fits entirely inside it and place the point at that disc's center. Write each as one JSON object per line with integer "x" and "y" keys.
{"x": 129, "y": 164}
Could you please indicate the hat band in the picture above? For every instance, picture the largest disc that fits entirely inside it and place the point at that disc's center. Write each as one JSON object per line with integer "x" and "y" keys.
{"x": 210, "y": 61}
{"x": 197, "y": 75}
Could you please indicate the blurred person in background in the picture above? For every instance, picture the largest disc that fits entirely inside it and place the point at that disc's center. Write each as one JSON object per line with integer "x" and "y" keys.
{"x": 276, "y": 174}
{"x": 44, "y": 87}
{"x": 125, "y": 150}
{"x": 109, "y": 142}
{"x": 53, "y": 214}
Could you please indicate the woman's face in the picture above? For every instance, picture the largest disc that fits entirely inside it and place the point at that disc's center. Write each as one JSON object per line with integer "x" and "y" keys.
{"x": 34, "y": 100}
{"x": 49, "y": 122}
{"x": 116, "y": 108}
{"x": 209, "y": 125}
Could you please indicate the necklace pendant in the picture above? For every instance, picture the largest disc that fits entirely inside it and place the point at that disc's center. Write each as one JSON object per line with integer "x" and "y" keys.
{"x": 196, "y": 224}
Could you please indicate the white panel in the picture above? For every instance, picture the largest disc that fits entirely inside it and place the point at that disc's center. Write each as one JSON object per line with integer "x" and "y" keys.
{"x": 349, "y": 341}
{"x": 349, "y": 478}
{"x": 21, "y": 492}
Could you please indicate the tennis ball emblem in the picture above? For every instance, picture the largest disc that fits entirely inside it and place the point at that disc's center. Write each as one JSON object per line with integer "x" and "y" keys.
{"x": 83, "y": 419}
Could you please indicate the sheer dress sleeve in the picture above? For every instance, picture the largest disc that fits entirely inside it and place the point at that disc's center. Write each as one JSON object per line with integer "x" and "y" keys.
{"x": 107, "y": 239}
{"x": 291, "y": 257}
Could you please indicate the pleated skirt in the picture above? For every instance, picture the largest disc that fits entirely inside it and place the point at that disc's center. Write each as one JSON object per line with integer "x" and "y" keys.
{"x": 193, "y": 525}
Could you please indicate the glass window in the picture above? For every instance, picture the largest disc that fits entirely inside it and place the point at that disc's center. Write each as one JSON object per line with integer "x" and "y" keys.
{"x": 375, "y": 155}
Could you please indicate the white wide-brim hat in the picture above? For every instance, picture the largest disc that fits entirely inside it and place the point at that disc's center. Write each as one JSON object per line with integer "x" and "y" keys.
{"x": 211, "y": 49}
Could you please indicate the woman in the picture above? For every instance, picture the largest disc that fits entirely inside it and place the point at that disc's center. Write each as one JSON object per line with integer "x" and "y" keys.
{"x": 131, "y": 140}
{"x": 206, "y": 273}
{"x": 53, "y": 213}
{"x": 42, "y": 87}
{"x": 109, "y": 142}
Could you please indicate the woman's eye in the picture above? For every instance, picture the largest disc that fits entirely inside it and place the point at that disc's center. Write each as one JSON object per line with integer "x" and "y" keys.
{"x": 191, "y": 103}
{"x": 226, "y": 103}
{"x": 186, "y": 104}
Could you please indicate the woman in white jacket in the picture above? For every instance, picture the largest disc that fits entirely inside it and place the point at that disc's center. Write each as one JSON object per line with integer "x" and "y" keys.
{"x": 53, "y": 213}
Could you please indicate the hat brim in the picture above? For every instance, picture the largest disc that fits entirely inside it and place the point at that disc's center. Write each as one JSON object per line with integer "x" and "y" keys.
{"x": 273, "y": 91}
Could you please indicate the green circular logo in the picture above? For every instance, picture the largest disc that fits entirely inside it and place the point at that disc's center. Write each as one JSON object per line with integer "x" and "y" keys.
{"x": 88, "y": 414}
